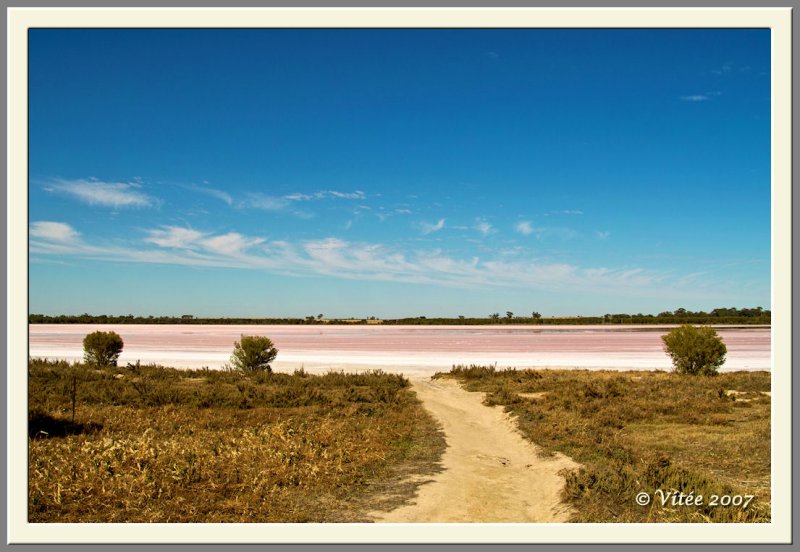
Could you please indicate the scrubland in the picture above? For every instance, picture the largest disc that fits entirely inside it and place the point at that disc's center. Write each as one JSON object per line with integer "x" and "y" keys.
{"x": 144, "y": 443}
{"x": 636, "y": 432}
{"x": 154, "y": 444}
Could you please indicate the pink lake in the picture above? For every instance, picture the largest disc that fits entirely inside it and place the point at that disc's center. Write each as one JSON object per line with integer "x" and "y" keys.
{"x": 413, "y": 350}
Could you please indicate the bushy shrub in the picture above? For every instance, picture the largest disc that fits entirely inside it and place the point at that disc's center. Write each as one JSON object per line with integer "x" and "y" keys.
{"x": 253, "y": 353}
{"x": 102, "y": 348}
{"x": 696, "y": 351}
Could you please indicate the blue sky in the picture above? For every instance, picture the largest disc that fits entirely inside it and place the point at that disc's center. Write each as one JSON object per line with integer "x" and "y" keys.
{"x": 398, "y": 172}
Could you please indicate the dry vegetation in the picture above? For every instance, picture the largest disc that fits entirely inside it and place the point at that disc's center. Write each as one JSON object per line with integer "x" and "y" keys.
{"x": 641, "y": 431}
{"x": 153, "y": 444}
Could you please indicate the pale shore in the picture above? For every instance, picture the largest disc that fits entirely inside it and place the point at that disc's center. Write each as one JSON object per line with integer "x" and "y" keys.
{"x": 416, "y": 351}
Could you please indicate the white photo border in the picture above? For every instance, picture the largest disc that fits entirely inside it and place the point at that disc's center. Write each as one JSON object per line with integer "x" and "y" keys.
{"x": 19, "y": 20}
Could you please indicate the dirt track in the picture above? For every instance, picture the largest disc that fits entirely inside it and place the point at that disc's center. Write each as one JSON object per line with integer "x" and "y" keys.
{"x": 491, "y": 474}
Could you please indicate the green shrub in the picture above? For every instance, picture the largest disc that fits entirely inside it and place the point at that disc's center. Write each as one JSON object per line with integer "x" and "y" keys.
{"x": 253, "y": 353}
{"x": 696, "y": 351}
{"x": 102, "y": 348}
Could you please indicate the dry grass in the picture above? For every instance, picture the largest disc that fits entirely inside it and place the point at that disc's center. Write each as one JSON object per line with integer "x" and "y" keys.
{"x": 641, "y": 431}
{"x": 152, "y": 444}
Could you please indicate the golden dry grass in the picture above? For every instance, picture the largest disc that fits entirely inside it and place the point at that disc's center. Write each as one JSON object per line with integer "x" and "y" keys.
{"x": 151, "y": 444}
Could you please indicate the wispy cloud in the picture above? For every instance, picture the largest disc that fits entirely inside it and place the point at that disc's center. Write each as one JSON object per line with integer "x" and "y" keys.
{"x": 731, "y": 68}
{"x": 567, "y": 212}
{"x": 706, "y": 96}
{"x": 107, "y": 194}
{"x": 257, "y": 200}
{"x": 267, "y": 202}
{"x": 403, "y": 211}
{"x": 484, "y": 227}
{"x": 428, "y": 228}
{"x": 177, "y": 237}
{"x": 725, "y": 68}
{"x": 358, "y": 194}
{"x": 288, "y": 202}
{"x": 326, "y": 194}
{"x": 174, "y": 236}
{"x": 339, "y": 258}
{"x": 298, "y": 197}
{"x": 524, "y": 227}
{"x": 602, "y": 235}
{"x": 213, "y": 192}
{"x": 230, "y": 244}
{"x": 53, "y": 231}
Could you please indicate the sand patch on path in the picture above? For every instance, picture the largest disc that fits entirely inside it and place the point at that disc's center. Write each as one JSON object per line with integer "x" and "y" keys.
{"x": 491, "y": 473}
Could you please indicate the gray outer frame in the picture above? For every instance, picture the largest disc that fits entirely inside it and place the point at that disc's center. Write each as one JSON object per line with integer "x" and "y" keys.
{"x": 380, "y": 3}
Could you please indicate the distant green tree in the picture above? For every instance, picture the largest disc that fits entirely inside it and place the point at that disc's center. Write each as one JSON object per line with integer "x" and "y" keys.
{"x": 102, "y": 348}
{"x": 695, "y": 351}
{"x": 536, "y": 316}
{"x": 509, "y": 315}
{"x": 253, "y": 353}
{"x": 495, "y": 316}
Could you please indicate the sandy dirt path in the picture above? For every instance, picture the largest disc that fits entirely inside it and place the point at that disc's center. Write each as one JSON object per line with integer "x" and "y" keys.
{"x": 491, "y": 473}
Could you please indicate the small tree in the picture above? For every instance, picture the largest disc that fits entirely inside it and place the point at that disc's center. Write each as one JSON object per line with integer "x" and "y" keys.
{"x": 253, "y": 353}
{"x": 102, "y": 348}
{"x": 695, "y": 351}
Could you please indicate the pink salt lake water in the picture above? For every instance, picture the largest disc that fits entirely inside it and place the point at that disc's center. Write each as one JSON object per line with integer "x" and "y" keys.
{"x": 412, "y": 350}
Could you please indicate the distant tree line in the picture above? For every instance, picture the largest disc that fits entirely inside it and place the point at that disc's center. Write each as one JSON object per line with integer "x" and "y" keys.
{"x": 183, "y": 319}
{"x": 756, "y": 315}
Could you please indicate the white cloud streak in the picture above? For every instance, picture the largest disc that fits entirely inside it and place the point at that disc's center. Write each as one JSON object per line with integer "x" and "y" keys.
{"x": 231, "y": 244}
{"x": 338, "y": 258}
{"x": 223, "y": 196}
{"x": 483, "y": 227}
{"x": 53, "y": 231}
{"x": 695, "y": 98}
{"x": 428, "y": 228}
{"x": 265, "y": 202}
{"x": 326, "y": 194}
{"x": 524, "y": 227}
{"x": 106, "y": 194}
{"x": 568, "y": 212}
{"x": 174, "y": 236}
{"x": 257, "y": 200}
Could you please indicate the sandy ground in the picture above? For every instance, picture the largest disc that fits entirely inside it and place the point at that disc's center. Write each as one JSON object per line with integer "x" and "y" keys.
{"x": 491, "y": 473}
{"x": 412, "y": 350}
